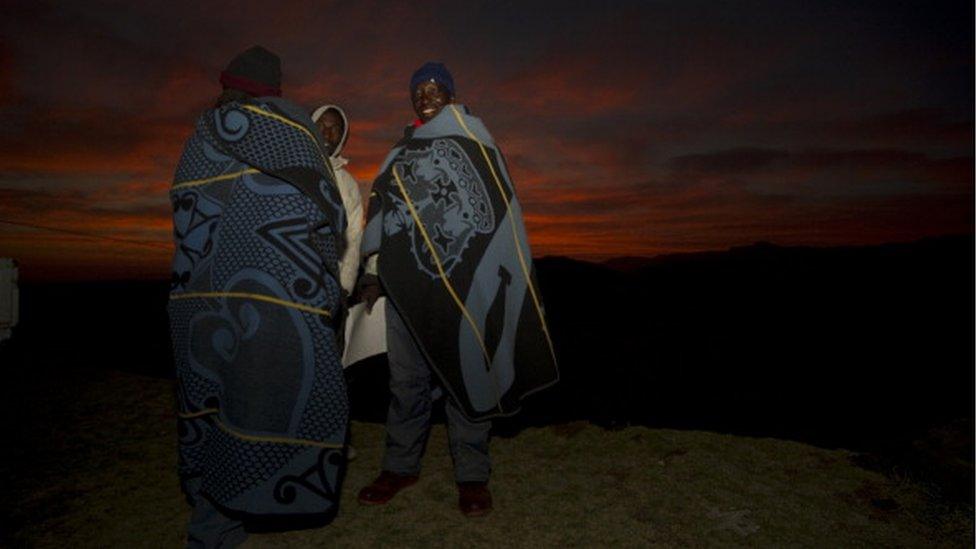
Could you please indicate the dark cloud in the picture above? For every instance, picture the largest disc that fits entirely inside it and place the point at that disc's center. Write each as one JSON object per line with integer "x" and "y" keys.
{"x": 855, "y": 165}
{"x": 630, "y": 128}
{"x": 730, "y": 162}
{"x": 929, "y": 124}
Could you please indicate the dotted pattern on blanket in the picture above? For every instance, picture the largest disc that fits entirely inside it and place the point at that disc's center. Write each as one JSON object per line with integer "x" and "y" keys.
{"x": 279, "y": 246}
{"x": 278, "y": 144}
{"x": 326, "y": 413}
{"x": 193, "y": 387}
{"x": 234, "y": 466}
{"x": 195, "y": 165}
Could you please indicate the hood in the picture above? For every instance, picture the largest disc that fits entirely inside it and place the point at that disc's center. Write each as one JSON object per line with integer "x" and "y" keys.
{"x": 317, "y": 113}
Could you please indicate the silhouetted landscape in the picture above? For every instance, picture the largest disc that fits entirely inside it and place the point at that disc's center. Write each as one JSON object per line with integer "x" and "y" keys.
{"x": 864, "y": 348}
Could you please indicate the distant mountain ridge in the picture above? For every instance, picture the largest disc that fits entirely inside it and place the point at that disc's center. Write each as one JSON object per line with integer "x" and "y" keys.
{"x": 853, "y": 346}
{"x": 869, "y": 348}
{"x": 630, "y": 264}
{"x": 849, "y": 345}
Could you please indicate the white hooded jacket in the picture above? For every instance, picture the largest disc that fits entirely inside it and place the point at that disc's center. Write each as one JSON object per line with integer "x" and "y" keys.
{"x": 351, "y": 200}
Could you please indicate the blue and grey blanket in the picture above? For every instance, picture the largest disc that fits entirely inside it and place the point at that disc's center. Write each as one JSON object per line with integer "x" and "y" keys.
{"x": 455, "y": 261}
{"x": 253, "y": 312}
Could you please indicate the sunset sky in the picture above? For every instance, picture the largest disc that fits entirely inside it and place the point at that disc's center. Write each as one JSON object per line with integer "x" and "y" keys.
{"x": 630, "y": 128}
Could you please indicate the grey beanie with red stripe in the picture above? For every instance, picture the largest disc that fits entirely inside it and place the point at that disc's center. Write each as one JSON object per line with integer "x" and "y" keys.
{"x": 256, "y": 71}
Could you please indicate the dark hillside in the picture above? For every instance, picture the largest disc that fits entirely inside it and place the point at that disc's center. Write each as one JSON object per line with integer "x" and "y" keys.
{"x": 866, "y": 348}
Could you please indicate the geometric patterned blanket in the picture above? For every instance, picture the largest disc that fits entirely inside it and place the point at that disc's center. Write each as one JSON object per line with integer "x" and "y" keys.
{"x": 262, "y": 406}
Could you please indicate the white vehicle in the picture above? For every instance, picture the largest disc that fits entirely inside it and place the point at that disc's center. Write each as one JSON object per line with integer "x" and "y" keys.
{"x": 9, "y": 296}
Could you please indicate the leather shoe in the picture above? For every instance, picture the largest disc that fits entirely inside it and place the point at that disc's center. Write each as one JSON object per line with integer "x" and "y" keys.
{"x": 474, "y": 498}
{"x": 387, "y": 485}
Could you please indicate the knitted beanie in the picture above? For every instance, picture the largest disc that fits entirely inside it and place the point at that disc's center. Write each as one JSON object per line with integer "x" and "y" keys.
{"x": 256, "y": 71}
{"x": 432, "y": 71}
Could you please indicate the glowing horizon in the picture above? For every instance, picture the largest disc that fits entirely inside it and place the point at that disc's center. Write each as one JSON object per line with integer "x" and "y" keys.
{"x": 636, "y": 131}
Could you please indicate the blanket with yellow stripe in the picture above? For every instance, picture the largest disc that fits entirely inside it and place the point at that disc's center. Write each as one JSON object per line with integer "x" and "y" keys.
{"x": 455, "y": 261}
{"x": 253, "y": 307}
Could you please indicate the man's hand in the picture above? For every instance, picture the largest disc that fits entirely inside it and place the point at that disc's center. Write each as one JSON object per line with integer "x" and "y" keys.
{"x": 369, "y": 290}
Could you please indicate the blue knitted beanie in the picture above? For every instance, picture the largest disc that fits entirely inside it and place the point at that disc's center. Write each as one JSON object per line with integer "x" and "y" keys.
{"x": 432, "y": 71}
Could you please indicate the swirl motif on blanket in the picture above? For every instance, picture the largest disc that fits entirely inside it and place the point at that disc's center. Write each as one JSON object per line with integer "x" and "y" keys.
{"x": 231, "y": 124}
{"x": 232, "y": 344}
{"x": 450, "y": 199}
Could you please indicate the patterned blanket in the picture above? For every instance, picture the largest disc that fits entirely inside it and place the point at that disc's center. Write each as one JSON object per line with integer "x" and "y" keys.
{"x": 253, "y": 311}
{"x": 455, "y": 261}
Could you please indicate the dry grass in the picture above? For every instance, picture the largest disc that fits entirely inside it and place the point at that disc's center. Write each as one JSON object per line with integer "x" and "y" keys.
{"x": 98, "y": 471}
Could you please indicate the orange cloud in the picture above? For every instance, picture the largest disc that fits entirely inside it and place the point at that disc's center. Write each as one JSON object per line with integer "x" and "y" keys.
{"x": 632, "y": 130}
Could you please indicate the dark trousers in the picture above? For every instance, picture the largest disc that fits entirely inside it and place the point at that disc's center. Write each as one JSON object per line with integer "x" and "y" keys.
{"x": 408, "y": 418}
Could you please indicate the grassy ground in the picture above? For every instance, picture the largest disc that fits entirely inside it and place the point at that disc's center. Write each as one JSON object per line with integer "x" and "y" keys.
{"x": 94, "y": 467}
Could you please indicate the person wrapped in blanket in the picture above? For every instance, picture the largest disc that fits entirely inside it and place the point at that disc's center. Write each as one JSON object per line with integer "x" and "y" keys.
{"x": 255, "y": 305}
{"x": 445, "y": 242}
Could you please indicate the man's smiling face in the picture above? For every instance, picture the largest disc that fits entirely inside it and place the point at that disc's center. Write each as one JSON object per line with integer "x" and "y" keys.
{"x": 429, "y": 98}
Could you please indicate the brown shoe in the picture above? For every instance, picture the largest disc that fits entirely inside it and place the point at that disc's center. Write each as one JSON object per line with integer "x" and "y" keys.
{"x": 387, "y": 485}
{"x": 474, "y": 499}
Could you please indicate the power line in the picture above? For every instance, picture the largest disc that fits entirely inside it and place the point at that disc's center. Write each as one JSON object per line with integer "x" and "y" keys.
{"x": 147, "y": 243}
